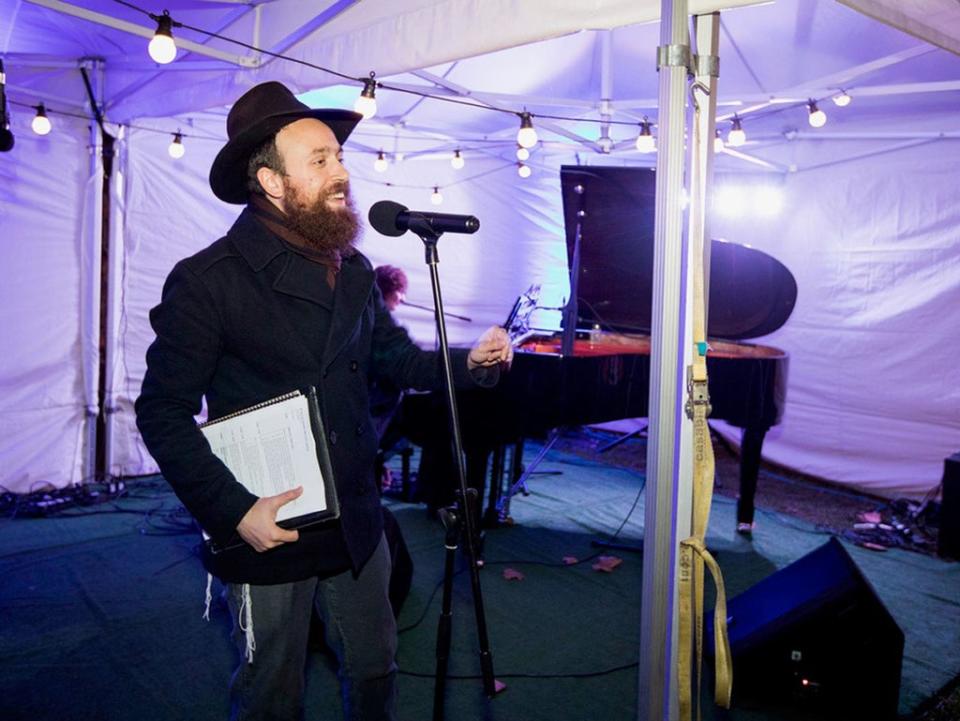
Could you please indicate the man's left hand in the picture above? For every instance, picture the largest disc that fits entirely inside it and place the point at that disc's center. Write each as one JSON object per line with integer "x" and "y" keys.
{"x": 492, "y": 348}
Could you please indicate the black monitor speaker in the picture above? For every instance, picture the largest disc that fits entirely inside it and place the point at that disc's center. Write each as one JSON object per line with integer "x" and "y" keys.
{"x": 814, "y": 638}
{"x": 948, "y": 540}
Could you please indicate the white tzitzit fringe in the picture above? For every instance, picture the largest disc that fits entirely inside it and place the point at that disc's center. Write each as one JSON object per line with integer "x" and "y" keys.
{"x": 245, "y": 620}
{"x": 206, "y": 607}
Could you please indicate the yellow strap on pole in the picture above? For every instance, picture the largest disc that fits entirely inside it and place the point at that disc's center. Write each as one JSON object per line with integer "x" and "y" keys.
{"x": 693, "y": 553}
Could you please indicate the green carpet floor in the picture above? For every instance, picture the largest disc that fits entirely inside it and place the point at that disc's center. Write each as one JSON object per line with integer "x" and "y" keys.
{"x": 101, "y": 613}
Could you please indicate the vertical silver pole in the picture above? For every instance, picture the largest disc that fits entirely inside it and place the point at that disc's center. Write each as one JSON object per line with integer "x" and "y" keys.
{"x": 663, "y": 525}
{"x": 90, "y": 288}
{"x": 115, "y": 256}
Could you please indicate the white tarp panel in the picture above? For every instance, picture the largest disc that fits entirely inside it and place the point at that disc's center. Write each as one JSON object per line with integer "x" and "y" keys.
{"x": 42, "y": 418}
{"x": 936, "y": 21}
{"x": 873, "y": 398}
{"x": 169, "y": 213}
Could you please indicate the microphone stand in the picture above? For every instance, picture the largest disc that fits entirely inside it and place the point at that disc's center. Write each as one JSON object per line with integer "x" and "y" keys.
{"x": 426, "y": 307}
{"x": 462, "y": 520}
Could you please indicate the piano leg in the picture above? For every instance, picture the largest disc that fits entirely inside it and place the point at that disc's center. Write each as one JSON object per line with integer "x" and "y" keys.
{"x": 496, "y": 487}
{"x": 751, "y": 447}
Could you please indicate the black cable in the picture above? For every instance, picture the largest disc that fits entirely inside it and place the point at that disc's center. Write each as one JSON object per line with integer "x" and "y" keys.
{"x": 344, "y": 76}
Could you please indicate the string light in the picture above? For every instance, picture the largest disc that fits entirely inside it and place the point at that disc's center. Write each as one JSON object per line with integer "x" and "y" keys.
{"x": 526, "y": 136}
{"x": 522, "y": 153}
{"x": 817, "y": 117}
{"x": 436, "y": 198}
{"x": 176, "y": 149}
{"x": 41, "y": 123}
{"x": 457, "y": 160}
{"x": 842, "y": 99}
{"x": 736, "y": 137}
{"x": 523, "y": 170}
{"x": 162, "y": 48}
{"x": 366, "y": 104}
{"x": 717, "y": 141}
{"x": 645, "y": 141}
{"x": 380, "y": 164}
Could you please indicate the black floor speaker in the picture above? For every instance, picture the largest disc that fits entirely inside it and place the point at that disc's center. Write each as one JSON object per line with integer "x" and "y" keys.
{"x": 814, "y": 637}
{"x": 948, "y": 539}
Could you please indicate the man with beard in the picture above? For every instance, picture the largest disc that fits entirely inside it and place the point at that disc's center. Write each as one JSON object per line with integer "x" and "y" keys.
{"x": 282, "y": 302}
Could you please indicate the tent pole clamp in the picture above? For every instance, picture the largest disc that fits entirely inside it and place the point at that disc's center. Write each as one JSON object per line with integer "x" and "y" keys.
{"x": 673, "y": 56}
{"x": 706, "y": 65}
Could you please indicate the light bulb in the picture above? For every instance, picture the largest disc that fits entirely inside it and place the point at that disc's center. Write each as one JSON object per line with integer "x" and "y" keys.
{"x": 817, "y": 117}
{"x": 366, "y": 104}
{"x": 162, "y": 48}
{"x": 523, "y": 170}
{"x": 457, "y": 160}
{"x": 526, "y": 136}
{"x": 717, "y": 142}
{"x": 176, "y": 149}
{"x": 736, "y": 137}
{"x": 436, "y": 198}
{"x": 841, "y": 99}
{"x": 522, "y": 153}
{"x": 380, "y": 164}
{"x": 41, "y": 123}
{"x": 645, "y": 141}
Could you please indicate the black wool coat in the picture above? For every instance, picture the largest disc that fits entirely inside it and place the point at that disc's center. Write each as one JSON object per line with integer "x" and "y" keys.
{"x": 249, "y": 319}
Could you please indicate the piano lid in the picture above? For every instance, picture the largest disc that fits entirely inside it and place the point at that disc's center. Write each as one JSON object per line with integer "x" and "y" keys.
{"x": 751, "y": 293}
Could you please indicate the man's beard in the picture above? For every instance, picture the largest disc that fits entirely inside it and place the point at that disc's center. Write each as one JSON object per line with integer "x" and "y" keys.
{"x": 324, "y": 228}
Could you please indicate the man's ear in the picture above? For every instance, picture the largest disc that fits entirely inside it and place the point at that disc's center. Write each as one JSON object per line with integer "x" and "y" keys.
{"x": 271, "y": 182}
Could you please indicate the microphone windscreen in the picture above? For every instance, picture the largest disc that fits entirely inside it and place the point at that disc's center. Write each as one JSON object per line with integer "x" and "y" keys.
{"x": 383, "y": 217}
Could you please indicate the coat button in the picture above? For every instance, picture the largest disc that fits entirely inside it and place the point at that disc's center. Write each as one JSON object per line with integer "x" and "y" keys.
{"x": 333, "y": 438}
{"x": 354, "y": 365}
{"x": 360, "y": 429}
{"x": 326, "y": 373}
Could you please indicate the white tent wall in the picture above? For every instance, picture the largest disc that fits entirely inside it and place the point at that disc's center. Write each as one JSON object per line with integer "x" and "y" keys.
{"x": 43, "y": 423}
{"x": 873, "y": 398}
{"x": 168, "y": 213}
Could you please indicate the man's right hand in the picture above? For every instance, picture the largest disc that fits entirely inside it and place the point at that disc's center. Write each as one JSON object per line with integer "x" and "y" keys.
{"x": 259, "y": 526}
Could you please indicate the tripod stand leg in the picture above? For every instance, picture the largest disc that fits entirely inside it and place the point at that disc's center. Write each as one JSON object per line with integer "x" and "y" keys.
{"x": 444, "y": 626}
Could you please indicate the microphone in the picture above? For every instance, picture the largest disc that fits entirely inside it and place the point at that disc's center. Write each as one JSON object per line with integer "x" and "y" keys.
{"x": 393, "y": 219}
{"x": 6, "y": 137}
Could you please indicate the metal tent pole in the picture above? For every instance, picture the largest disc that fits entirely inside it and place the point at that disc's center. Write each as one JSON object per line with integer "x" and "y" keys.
{"x": 669, "y": 483}
{"x": 91, "y": 278}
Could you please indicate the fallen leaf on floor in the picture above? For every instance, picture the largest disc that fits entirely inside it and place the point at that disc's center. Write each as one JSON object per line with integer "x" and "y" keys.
{"x": 512, "y": 574}
{"x": 570, "y": 560}
{"x": 869, "y": 517}
{"x": 606, "y": 564}
{"x": 872, "y": 546}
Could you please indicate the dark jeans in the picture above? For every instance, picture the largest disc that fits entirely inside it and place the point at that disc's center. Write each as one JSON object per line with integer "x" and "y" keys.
{"x": 359, "y": 627}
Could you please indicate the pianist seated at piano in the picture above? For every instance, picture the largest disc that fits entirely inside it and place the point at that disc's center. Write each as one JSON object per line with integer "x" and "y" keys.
{"x": 385, "y": 397}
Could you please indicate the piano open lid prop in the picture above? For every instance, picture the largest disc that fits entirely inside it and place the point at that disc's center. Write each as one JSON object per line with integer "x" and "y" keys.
{"x": 751, "y": 293}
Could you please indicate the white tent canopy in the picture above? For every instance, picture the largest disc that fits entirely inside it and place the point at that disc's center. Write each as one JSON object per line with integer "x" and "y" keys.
{"x": 867, "y": 217}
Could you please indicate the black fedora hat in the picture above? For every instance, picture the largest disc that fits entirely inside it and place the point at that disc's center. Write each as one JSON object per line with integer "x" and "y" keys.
{"x": 256, "y": 116}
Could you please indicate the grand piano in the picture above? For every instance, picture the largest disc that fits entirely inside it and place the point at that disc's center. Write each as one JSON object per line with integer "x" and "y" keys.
{"x": 598, "y": 367}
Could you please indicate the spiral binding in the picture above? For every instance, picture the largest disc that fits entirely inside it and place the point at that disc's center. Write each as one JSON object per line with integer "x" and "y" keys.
{"x": 258, "y": 406}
